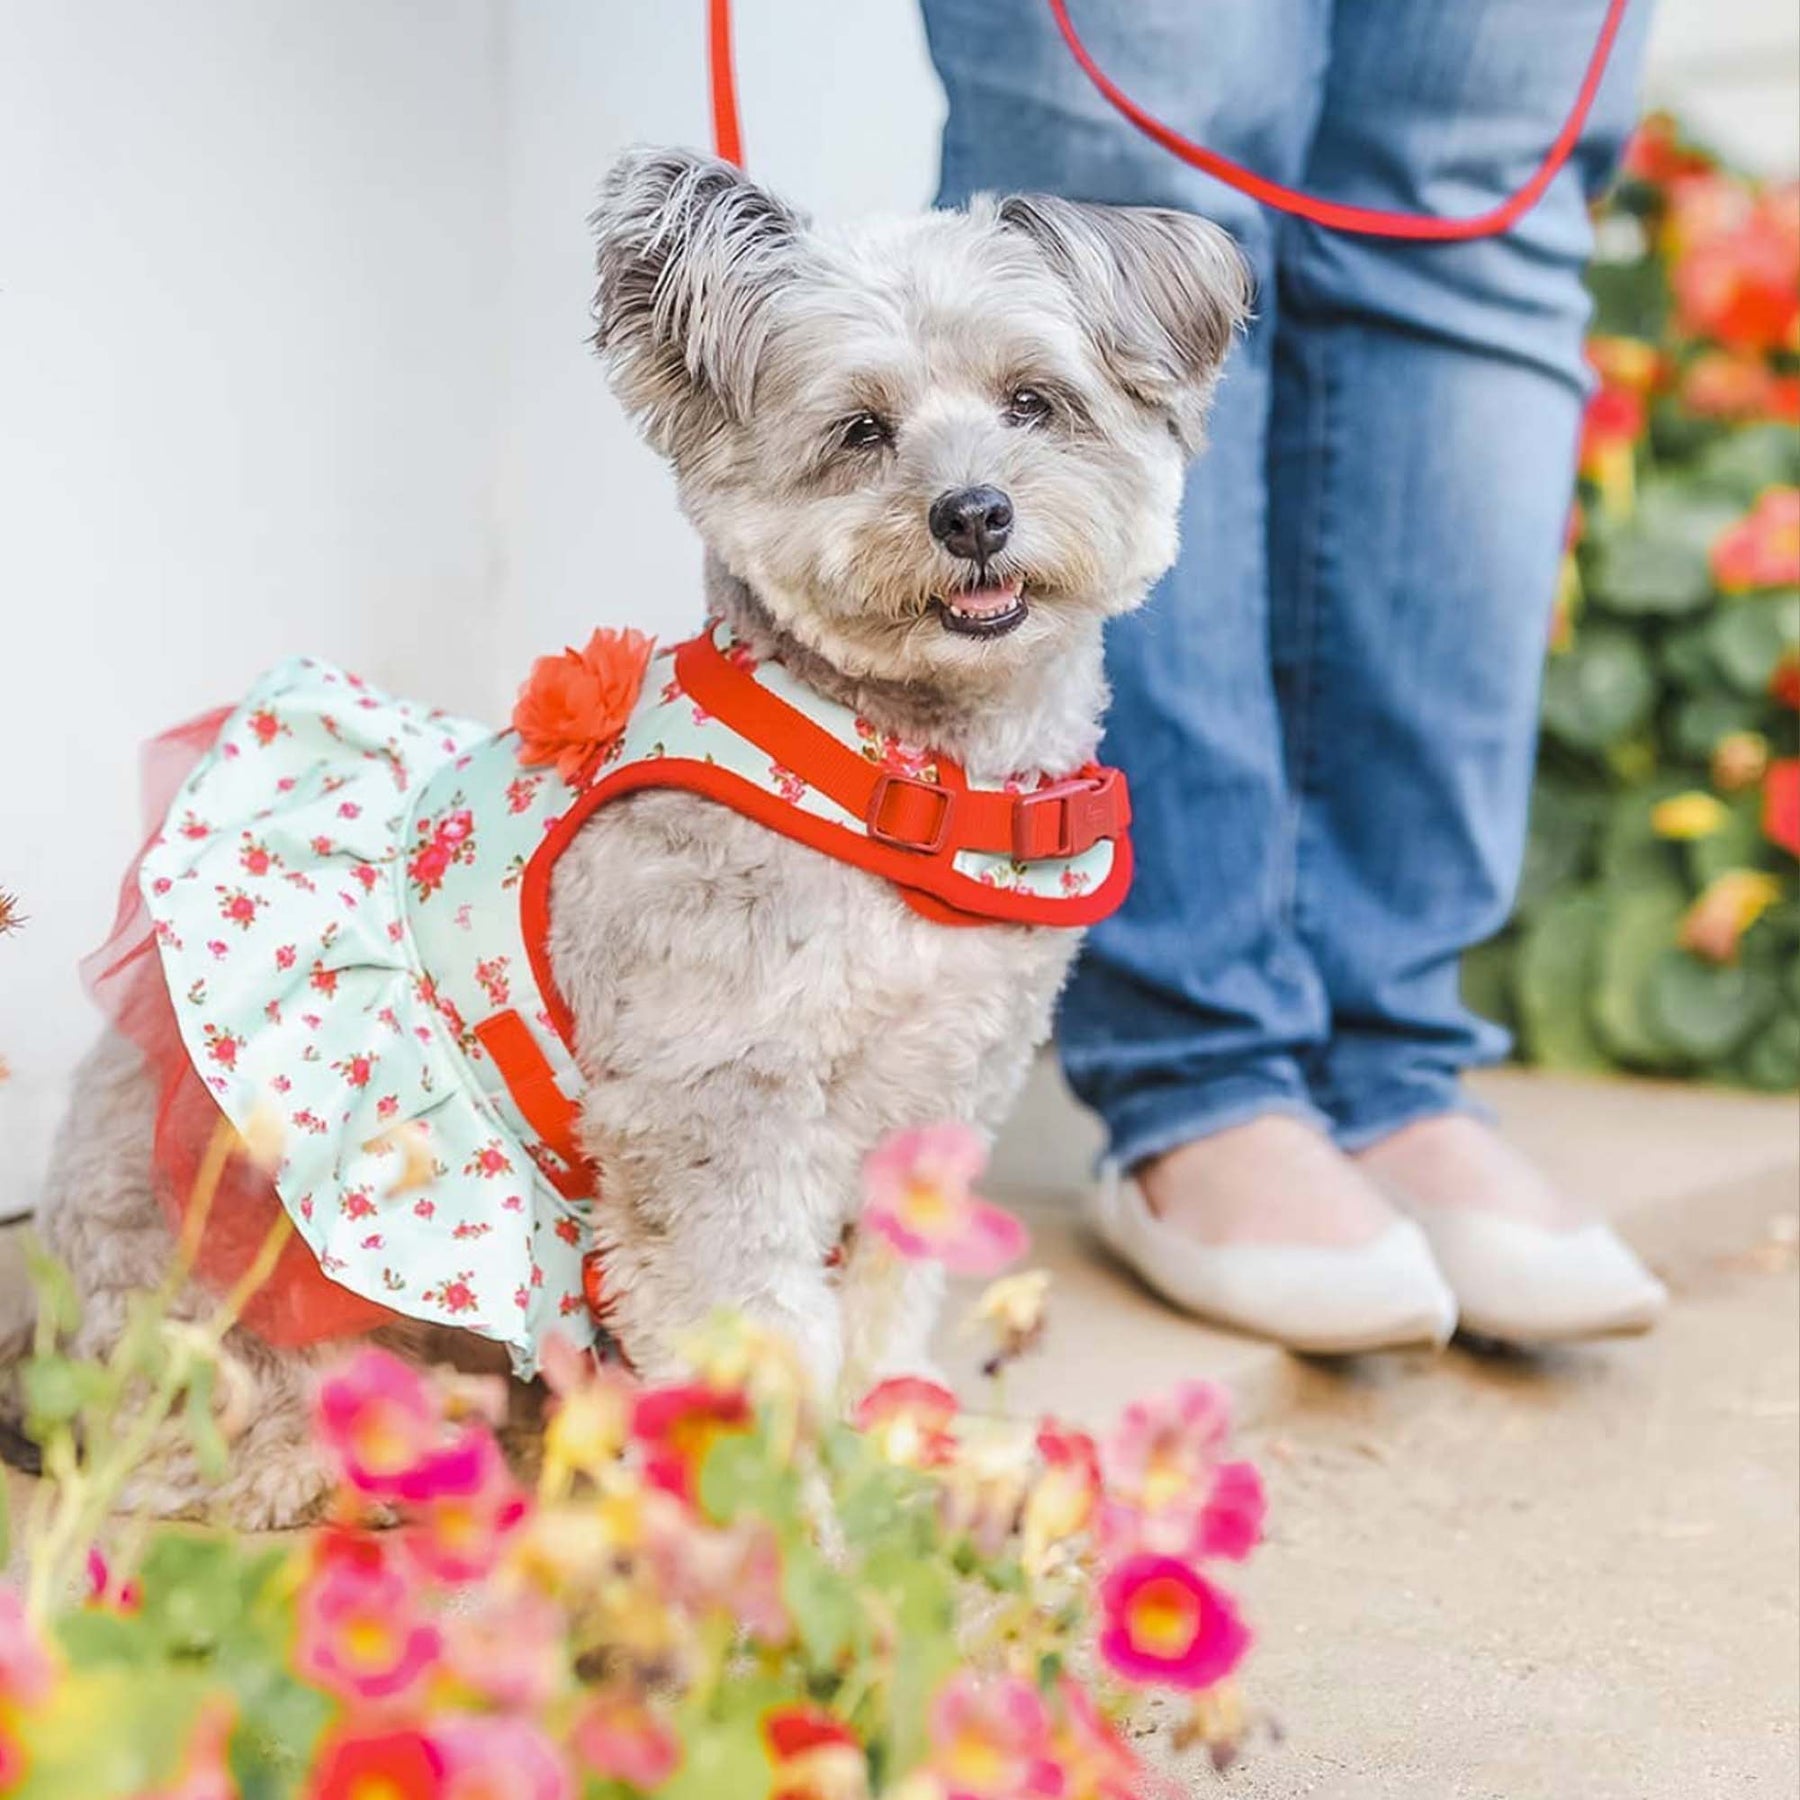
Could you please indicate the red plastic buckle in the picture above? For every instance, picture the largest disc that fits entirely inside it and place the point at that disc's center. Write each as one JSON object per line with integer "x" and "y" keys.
{"x": 1087, "y": 811}
{"x": 883, "y": 832}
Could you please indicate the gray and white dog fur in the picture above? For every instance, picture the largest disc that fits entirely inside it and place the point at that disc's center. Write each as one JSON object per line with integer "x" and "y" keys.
{"x": 751, "y": 1016}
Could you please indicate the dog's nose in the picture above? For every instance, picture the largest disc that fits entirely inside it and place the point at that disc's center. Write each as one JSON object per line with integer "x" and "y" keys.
{"x": 973, "y": 522}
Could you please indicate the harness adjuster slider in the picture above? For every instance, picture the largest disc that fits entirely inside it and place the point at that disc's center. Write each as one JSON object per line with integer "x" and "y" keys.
{"x": 895, "y": 809}
{"x": 1067, "y": 817}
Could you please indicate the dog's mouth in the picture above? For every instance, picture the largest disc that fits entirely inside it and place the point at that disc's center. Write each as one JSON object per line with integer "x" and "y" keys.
{"x": 983, "y": 612}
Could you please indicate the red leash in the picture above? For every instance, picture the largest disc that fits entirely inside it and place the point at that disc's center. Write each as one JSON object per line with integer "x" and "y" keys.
{"x": 1364, "y": 220}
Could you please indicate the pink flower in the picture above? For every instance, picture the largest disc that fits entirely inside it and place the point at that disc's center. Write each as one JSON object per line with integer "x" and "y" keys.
{"x": 910, "y": 1419}
{"x": 474, "y": 1507}
{"x": 360, "y": 1636}
{"x": 488, "y": 1757}
{"x": 205, "y": 1772}
{"x": 1171, "y": 1491}
{"x": 916, "y": 1186}
{"x": 620, "y": 1737}
{"x": 1096, "y": 1761}
{"x": 508, "y": 1649}
{"x": 356, "y": 1760}
{"x": 676, "y": 1426}
{"x": 1167, "y": 1626}
{"x": 26, "y": 1670}
{"x": 379, "y": 1419}
{"x": 990, "y": 1740}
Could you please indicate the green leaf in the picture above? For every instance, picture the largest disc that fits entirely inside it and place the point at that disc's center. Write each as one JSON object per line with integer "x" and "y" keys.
{"x": 1659, "y": 564}
{"x": 1705, "y": 1010}
{"x": 1772, "y": 1058}
{"x": 1746, "y": 639}
{"x": 1737, "y": 844}
{"x": 1598, "y": 691}
{"x": 823, "y": 1605}
{"x": 1640, "y": 926}
{"x": 1700, "y": 720}
{"x": 1565, "y": 829}
{"x": 1741, "y": 465}
{"x": 1487, "y": 978}
{"x": 57, "y": 1389}
{"x": 1557, "y": 968}
{"x": 1631, "y": 853}
{"x": 740, "y": 1479}
{"x": 1685, "y": 657}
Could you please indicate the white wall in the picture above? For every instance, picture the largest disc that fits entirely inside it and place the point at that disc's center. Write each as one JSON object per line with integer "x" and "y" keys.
{"x": 293, "y": 299}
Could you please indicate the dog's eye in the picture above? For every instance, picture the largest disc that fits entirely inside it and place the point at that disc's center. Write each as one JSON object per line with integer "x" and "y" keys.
{"x": 865, "y": 431}
{"x": 1027, "y": 406}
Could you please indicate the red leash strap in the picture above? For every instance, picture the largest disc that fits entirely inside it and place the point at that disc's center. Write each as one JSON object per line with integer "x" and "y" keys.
{"x": 1363, "y": 220}
{"x": 728, "y": 137}
{"x": 1368, "y": 221}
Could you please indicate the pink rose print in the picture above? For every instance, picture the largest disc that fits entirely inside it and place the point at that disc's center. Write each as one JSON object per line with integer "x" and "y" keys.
{"x": 272, "y": 1012}
{"x": 454, "y": 1296}
{"x": 568, "y": 1231}
{"x": 487, "y": 1162}
{"x": 323, "y": 980}
{"x": 321, "y": 846}
{"x": 192, "y": 826}
{"x": 356, "y": 1070}
{"x": 442, "y": 843}
{"x": 264, "y": 726}
{"x": 513, "y": 1203}
{"x": 356, "y": 1204}
{"x": 161, "y": 885}
{"x": 570, "y": 1304}
{"x": 238, "y": 908}
{"x": 256, "y": 858}
{"x": 373, "y": 1241}
{"x": 471, "y": 1228}
{"x": 281, "y": 1084}
{"x": 219, "y": 948}
{"x": 308, "y": 1121}
{"x": 367, "y": 875}
{"x": 348, "y": 809}
{"x": 223, "y": 1047}
{"x": 893, "y": 753}
{"x": 490, "y": 977}
{"x": 284, "y": 956}
{"x": 387, "y": 1106}
{"x": 787, "y": 784}
{"x": 521, "y": 793}
{"x": 424, "y": 1208}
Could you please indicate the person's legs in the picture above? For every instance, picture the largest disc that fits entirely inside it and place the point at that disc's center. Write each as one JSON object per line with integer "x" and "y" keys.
{"x": 1191, "y": 1006}
{"x": 1426, "y": 404}
{"x": 1425, "y": 409}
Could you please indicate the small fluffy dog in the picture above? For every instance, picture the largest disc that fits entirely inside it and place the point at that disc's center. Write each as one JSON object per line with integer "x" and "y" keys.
{"x": 929, "y": 459}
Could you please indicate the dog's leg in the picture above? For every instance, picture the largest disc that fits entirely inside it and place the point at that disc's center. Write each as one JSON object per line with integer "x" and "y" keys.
{"x": 101, "y": 1218}
{"x": 890, "y": 1311}
{"x": 708, "y": 1207}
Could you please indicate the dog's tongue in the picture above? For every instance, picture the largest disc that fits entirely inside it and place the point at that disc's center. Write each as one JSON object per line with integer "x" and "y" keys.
{"x": 985, "y": 603}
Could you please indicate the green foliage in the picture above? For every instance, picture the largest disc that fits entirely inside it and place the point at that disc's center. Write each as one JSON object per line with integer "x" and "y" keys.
{"x": 1663, "y": 682}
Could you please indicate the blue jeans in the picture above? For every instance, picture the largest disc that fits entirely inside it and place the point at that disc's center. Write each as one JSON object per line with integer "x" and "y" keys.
{"x": 1328, "y": 709}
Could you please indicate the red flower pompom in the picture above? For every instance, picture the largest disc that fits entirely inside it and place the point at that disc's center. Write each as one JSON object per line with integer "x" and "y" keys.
{"x": 573, "y": 705}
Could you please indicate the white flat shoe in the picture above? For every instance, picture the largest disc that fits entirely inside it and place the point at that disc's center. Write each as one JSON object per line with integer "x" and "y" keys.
{"x": 1526, "y": 1284}
{"x": 1319, "y": 1299}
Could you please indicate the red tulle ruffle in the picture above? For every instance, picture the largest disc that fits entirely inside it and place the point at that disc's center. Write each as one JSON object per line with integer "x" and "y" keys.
{"x": 299, "y": 1303}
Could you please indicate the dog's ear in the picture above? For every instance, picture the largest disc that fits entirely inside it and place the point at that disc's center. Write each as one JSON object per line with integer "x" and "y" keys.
{"x": 688, "y": 253}
{"x": 1162, "y": 293}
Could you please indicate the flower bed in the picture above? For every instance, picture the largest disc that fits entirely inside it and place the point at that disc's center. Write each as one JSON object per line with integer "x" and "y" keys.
{"x": 1657, "y": 925}
{"x": 711, "y": 1590}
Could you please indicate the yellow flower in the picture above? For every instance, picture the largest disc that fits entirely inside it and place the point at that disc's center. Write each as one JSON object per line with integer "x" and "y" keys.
{"x": 1729, "y": 906}
{"x": 1685, "y": 817}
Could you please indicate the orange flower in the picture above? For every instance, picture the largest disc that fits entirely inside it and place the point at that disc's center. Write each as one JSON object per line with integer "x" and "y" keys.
{"x": 573, "y": 705}
{"x": 1737, "y": 271}
{"x": 1781, "y": 804}
{"x": 1719, "y": 385}
{"x": 1610, "y": 429}
{"x": 1729, "y": 905}
{"x": 1763, "y": 549}
{"x": 1625, "y": 362}
{"x": 1657, "y": 155}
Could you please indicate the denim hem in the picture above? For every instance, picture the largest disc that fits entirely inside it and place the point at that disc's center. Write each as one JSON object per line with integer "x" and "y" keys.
{"x": 1396, "y": 1110}
{"x": 1162, "y": 1119}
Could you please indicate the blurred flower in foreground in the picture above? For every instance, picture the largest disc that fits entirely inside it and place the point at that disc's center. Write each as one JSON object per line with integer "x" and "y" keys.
{"x": 1781, "y": 805}
{"x": 910, "y": 1420}
{"x": 622, "y": 1737}
{"x": 360, "y": 1633}
{"x": 919, "y": 1199}
{"x": 815, "y": 1756}
{"x": 1166, "y": 1625}
{"x": 1014, "y": 1310}
{"x": 494, "y": 1757}
{"x": 990, "y": 1740}
{"x": 391, "y": 1762}
{"x": 1170, "y": 1489}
